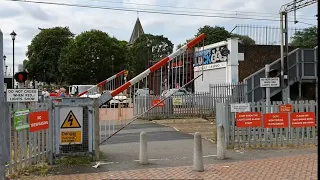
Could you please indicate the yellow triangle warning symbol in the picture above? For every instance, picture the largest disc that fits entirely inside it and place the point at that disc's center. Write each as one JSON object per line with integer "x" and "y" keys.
{"x": 71, "y": 121}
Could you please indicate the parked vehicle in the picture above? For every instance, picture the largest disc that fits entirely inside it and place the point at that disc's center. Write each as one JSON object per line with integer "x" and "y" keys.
{"x": 144, "y": 92}
{"x": 187, "y": 97}
{"x": 76, "y": 89}
{"x": 120, "y": 99}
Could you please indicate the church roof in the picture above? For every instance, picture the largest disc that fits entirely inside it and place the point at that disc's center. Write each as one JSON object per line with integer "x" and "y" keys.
{"x": 137, "y": 32}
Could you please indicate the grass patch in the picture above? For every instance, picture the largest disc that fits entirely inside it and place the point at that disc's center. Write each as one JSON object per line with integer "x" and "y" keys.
{"x": 74, "y": 160}
{"x": 40, "y": 169}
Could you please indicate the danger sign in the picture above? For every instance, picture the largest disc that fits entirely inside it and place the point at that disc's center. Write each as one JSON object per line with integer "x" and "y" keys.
{"x": 276, "y": 120}
{"x": 39, "y": 121}
{"x": 248, "y": 119}
{"x": 70, "y": 137}
{"x": 71, "y": 122}
{"x": 303, "y": 119}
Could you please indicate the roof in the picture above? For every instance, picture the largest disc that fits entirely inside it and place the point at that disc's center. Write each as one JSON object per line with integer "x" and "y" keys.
{"x": 137, "y": 32}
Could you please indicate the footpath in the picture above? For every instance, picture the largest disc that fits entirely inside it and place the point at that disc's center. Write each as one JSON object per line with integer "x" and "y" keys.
{"x": 281, "y": 168}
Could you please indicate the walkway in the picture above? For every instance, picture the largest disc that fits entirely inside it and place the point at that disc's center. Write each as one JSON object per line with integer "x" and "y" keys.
{"x": 281, "y": 168}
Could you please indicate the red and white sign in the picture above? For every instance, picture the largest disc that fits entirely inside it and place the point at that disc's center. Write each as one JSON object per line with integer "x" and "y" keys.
{"x": 39, "y": 121}
{"x": 303, "y": 119}
{"x": 248, "y": 119}
{"x": 276, "y": 120}
{"x": 156, "y": 101}
{"x": 285, "y": 108}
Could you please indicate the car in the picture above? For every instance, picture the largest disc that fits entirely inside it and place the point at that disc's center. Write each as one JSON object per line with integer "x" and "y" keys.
{"x": 120, "y": 99}
{"x": 187, "y": 97}
{"x": 144, "y": 92}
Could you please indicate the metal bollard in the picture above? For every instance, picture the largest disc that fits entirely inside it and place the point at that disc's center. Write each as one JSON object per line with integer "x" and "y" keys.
{"x": 143, "y": 156}
{"x": 197, "y": 153}
{"x": 221, "y": 143}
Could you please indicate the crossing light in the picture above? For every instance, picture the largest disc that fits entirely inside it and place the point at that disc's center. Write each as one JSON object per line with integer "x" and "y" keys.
{"x": 274, "y": 73}
{"x": 21, "y": 77}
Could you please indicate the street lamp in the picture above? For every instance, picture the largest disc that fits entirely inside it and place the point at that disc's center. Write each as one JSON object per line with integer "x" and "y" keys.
{"x": 13, "y": 37}
{"x": 4, "y": 63}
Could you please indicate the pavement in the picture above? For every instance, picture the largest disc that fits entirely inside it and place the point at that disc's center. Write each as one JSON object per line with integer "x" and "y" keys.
{"x": 166, "y": 148}
{"x": 294, "y": 167}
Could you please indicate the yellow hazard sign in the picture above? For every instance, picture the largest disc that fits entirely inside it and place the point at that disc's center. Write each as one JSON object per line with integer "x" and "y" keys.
{"x": 70, "y": 137}
{"x": 70, "y": 121}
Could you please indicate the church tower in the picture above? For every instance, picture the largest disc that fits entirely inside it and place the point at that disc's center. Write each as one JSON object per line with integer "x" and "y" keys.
{"x": 136, "y": 33}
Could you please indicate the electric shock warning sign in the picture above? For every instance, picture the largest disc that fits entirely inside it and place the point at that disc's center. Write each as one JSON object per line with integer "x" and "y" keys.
{"x": 71, "y": 120}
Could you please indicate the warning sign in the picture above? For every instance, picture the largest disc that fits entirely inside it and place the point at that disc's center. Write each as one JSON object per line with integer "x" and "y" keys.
{"x": 303, "y": 119}
{"x": 70, "y": 121}
{"x": 156, "y": 101}
{"x": 285, "y": 108}
{"x": 248, "y": 119}
{"x": 276, "y": 120}
{"x": 70, "y": 137}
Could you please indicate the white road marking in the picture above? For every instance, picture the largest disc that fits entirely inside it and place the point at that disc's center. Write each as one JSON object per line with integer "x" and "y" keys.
{"x": 206, "y": 156}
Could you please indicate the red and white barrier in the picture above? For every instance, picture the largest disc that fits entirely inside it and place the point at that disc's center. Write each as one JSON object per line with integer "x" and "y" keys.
{"x": 102, "y": 83}
{"x": 156, "y": 66}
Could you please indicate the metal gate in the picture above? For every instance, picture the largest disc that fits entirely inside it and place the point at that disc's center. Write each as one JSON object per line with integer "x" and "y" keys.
{"x": 151, "y": 91}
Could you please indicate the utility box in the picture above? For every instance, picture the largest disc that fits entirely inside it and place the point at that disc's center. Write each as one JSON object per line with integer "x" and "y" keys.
{"x": 74, "y": 126}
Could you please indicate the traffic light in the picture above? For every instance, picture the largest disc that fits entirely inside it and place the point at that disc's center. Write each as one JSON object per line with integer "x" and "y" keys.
{"x": 274, "y": 73}
{"x": 21, "y": 77}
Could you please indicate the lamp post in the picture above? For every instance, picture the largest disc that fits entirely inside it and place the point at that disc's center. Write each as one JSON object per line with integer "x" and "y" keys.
{"x": 13, "y": 37}
{"x": 4, "y": 63}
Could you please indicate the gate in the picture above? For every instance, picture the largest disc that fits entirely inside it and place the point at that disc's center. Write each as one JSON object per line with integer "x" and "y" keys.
{"x": 296, "y": 124}
{"x": 151, "y": 91}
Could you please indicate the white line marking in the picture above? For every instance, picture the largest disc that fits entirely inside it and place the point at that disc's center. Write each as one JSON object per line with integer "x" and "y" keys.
{"x": 206, "y": 156}
{"x": 176, "y": 129}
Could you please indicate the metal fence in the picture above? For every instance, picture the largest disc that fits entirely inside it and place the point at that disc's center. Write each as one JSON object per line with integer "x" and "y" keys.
{"x": 182, "y": 106}
{"x": 263, "y": 35}
{"x": 27, "y": 148}
{"x": 266, "y": 137}
{"x": 231, "y": 92}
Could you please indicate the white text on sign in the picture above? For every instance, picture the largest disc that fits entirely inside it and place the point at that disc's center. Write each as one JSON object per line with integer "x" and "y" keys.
{"x": 22, "y": 95}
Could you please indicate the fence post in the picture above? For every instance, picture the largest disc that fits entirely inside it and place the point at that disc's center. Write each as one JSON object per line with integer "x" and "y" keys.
{"x": 221, "y": 143}
{"x": 50, "y": 131}
{"x": 197, "y": 153}
{"x": 96, "y": 129}
{"x": 143, "y": 156}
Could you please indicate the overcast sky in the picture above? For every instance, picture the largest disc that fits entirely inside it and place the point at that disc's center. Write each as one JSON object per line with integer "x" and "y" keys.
{"x": 25, "y": 18}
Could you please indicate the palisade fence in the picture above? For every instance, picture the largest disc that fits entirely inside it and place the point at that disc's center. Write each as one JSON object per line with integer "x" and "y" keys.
{"x": 263, "y": 35}
{"x": 28, "y": 148}
{"x": 266, "y": 137}
{"x": 182, "y": 106}
{"x": 190, "y": 105}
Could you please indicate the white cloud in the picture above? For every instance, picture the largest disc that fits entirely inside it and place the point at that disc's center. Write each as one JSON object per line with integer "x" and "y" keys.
{"x": 25, "y": 18}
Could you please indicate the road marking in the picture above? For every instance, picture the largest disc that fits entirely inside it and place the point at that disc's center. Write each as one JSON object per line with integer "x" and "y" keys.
{"x": 176, "y": 129}
{"x": 206, "y": 156}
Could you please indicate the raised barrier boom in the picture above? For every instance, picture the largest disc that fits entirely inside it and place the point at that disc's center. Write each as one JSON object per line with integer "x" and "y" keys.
{"x": 102, "y": 82}
{"x": 106, "y": 97}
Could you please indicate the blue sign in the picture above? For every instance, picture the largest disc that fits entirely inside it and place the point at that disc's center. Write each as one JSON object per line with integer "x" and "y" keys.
{"x": 210, "y": 56}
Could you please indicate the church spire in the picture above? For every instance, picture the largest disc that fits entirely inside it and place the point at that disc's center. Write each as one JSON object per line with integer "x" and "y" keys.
{"x": 137, "y": 32}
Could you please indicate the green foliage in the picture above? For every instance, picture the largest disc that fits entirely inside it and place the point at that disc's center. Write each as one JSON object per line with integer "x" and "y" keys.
{"x": 148, "y": 48}
{"x": 217, "y": 34}
{"x": 308, "y": 38}
{"x": 245, "y": 40}
{"x": 43, "y": 54}
{"x": 91, "y": 57}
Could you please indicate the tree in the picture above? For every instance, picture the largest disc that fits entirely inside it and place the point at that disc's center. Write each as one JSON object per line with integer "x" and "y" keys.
{"x": 148, "y": 48}
{"x": 307, "y": 38}
{"x": 91, "y": 57}
{"x": 217, "y": 34}
{"x": 43, "y": 54}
